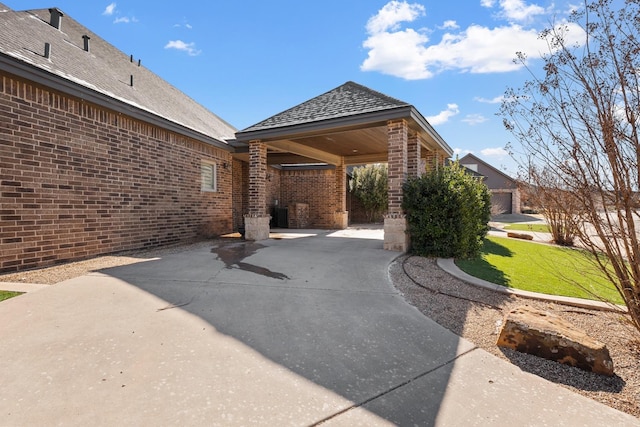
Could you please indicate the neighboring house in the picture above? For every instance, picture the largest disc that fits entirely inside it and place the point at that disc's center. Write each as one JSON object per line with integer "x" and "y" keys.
{"x": 99, "y": 155}
{"x": 505, "y": 195}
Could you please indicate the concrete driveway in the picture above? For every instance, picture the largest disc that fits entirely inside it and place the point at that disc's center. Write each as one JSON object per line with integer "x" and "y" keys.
{"x": 302, "y": 329}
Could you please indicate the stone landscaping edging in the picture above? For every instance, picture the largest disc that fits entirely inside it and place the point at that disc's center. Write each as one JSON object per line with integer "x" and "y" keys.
{"x": 449, "y": 266}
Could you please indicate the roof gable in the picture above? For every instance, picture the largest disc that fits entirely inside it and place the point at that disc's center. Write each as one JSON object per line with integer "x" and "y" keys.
{"x": 475, "y": 159}
{"x": 350, "y": 99}
{"x": 102, "y": 69}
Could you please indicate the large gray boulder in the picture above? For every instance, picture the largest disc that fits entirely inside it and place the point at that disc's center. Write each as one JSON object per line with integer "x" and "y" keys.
{"x": 546, "y": 335}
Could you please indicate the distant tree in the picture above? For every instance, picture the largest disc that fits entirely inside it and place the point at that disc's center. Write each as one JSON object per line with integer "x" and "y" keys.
{"x": 558, "y": 206}
{"x": 580, "y": 121}
{"x": 370, "y": 184}
{"x": 448, "y": 212}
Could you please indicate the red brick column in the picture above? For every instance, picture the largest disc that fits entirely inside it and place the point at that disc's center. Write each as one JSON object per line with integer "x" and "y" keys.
{"x": 257, "y": 220}
{"x": 414, "y": 166}
{"x": 341, "y": 216}
{"x": 395, "y": 222}
{"x": 257, "y": 177}
{"x": 397, "y": 131}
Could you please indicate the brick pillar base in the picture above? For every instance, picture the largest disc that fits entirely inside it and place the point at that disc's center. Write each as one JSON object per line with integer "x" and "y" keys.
{"x": 340, "y": 220}
{"x": 396, "y": 237}
{"x": 256, "y": 227}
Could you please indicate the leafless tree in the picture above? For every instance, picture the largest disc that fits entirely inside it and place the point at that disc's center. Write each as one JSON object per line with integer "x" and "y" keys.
{"x": 559, "y": 207}
{"x": 579, "y": 121}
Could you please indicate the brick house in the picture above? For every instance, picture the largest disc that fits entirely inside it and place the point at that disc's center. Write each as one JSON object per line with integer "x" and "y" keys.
{"x": 505, "y": 195}
{"x": 99, "y": 155}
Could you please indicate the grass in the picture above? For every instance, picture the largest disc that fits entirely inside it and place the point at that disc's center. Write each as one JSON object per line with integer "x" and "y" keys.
{"x": 540, "y": 268}
{"x": 538, "y": 228}
{"x": 8, "y": 294}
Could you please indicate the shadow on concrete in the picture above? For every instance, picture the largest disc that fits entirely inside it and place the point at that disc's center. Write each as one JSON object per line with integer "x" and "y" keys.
{"x": 319, "y": 304}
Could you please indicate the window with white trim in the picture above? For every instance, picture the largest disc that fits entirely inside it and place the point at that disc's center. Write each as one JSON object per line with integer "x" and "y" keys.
{"x": 208, "y": 177}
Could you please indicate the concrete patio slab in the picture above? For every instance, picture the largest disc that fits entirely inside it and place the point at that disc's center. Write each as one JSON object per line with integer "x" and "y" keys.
{"x": 281, "y": 332}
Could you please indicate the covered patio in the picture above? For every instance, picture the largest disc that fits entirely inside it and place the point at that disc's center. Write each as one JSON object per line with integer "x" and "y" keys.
{"x": 349, "y": 125}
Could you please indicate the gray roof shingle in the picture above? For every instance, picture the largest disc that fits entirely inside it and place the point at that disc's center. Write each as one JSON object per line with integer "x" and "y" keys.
{"x": 103, "y": 69}
{"x": 350, "y": 99}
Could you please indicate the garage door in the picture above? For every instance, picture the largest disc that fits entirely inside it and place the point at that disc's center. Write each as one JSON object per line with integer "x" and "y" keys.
{"x": 501, "y": 203}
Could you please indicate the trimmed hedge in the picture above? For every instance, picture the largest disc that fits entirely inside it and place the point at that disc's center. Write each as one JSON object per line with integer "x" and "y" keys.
{"x": 448, "y": 211}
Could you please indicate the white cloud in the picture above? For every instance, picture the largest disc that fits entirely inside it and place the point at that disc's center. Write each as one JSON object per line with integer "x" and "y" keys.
{"x": 184, "y": 24}
{"x": 398, "y": 54}
{"x": 450, "y": 24}
{"x": 125, "y": 20}
{"x": 444, "y": 116}
{"x": 481, "y": 50}
{"x": 515, "y": 10}
{"x": 406, "y": 53}
{"x": 474, "y": 119}
{"x": 496, "y": 100}
{"x": 394, "y": 51}
{"x": 494, "y": 152}
{"x": 519, "y": 11}
{"x": 110, "y": 9}
{"x": 392, "y": 14}
{"x": 189, "y": 48}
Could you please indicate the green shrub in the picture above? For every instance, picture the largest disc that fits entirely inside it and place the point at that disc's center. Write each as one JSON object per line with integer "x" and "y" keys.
{"x": 370, "y": 184}
{"x": 448, "y": 212}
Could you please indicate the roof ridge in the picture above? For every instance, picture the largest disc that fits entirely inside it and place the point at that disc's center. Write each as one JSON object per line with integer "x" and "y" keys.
{"x": 375, "y": 92}
{"x": 348, "y": 99}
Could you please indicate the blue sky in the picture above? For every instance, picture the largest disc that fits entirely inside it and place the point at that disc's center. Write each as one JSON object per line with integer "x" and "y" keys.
{"x": 249, "y": 59}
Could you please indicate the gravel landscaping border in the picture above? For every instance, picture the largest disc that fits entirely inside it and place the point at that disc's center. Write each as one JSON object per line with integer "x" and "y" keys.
{"x": 477, "y": 314}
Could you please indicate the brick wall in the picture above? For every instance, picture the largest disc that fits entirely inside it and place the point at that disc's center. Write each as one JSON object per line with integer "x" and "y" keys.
{"x": 313, "y": 187}
{"x": 273, "y": 188}
{"x": 77, "y": 181}
{"x": 240, "y": 192}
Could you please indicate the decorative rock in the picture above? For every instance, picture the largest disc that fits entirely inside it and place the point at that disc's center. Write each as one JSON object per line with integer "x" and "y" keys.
{"x": 546, "y": 335}
{"x": 520, "y": 236}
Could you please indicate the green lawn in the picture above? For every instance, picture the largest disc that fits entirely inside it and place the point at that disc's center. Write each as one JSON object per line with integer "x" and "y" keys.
{"x": 8, "y": 294}
{"x": 538, "y": 228}
{"x": 540, "y": 268}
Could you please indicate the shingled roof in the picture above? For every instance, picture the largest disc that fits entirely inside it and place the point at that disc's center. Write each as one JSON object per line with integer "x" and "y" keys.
{"x": 345, "y": 112}
{"x": 82, "y": 64}
{"x": 350, "y": 99}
